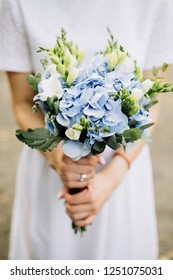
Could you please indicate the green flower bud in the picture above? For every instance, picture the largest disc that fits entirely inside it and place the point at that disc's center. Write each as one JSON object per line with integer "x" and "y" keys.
{"x": 56, "y": 106}
{"x": 84, "y": 122}
{"x": 122, "y": 57}
{"x": 166, "y": 85}
{"x": 74, "y": 50}
{"x": 67, "y": 61}
{"x": 81, "y": 56}
{"x": 50, "y": 52}
{"x": 112, "y": 61}
{"x": 77, "y": 127}
{"x": 105, "y": 129}
{"x": 72, "y": 75}
{"x": 54, "y": 59}
{"x": 134, "y": 110}
{"x": 61, "y": 69}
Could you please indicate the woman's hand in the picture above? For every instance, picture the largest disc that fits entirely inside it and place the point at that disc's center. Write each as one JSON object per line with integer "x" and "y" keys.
{"x": 72, "y": 171}
{"x": 84, "y": 206}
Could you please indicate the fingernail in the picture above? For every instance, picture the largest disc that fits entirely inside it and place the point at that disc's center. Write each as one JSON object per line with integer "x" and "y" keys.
{"x": 102, "y": 160}
{"x": 60, "y": 195}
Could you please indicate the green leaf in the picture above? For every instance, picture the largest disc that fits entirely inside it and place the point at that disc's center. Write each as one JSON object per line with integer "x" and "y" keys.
{"x": 164, "y": 67}
{"x": 56, "y": 107}
{"x": 44, "y": 62}
{"x": 132, "y": 135}
{"x": 33, "y": 80}
{"x": 143, "y": 127}
{"x": 119, "y": 138}
{"x": 112, "y": 142}
{"x": 151, "y": 104}
{"x": 39, "y": 138}
{"x": 155, "y": 71}
{"x": 132, "y": 123}
{"x": 98, "y": 147}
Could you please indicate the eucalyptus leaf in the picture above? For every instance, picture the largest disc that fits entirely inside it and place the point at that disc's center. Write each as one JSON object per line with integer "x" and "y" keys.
{"x": 132, "y": 123}
{"x": 39, "y": 138}
{"x": 143, "y": 127}
{"x": 151, "y": 104}
{"x": 112, "y": 142}
{"x": 98, "y": 147}
{"x": 33, "y": 80}
{"x": 132, "y": 135}
{"x": 119, "y": 138}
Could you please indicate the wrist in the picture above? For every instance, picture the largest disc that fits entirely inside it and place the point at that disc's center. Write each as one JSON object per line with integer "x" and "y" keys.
{"x": 121, "y": 154}
{"x": 54, "y": 159}
{"x": 115, "y": 172}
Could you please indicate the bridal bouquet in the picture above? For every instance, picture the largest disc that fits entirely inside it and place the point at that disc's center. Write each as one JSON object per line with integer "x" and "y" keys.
{"x": 103, "y": 102}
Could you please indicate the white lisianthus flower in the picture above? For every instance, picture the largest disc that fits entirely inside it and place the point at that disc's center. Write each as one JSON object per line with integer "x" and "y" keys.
{"x": 51, "y": 69}
{"x": 137, "y": 94}
{"x": 72, "y": 75}
{"x": 128, "y": 65}
{"x": 50, "y": 87}
{"x": 147, "y": 85}
{"x": 73, "y": 134}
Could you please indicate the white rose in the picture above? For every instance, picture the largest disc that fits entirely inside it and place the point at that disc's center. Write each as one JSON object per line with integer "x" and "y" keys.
{"x": 146, "y": 85}
{"x": 50, "y": 88}
{"x": 73, "y": 134}
{"x": 137, "y": 93}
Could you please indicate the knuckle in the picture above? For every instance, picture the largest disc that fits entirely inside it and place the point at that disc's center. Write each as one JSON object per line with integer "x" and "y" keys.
{"x": 71, "y": 184}
{"x": 93, "y": 160}
{"x": 65, "y": 168}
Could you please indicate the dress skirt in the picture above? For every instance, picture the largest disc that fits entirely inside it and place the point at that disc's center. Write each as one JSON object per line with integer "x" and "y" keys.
{"x": 125, "y": 228}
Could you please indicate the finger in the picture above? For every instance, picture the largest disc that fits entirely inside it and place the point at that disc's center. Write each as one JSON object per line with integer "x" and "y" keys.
{"x": 75, "y": 177}
{"x": 76, "y": 185}
{"x": 75, "y": 168}
{"x": 78, "y": 217}
{"x": 83, "y": 197}
{"x": 78, "y": 209}
{"x": 85, "y": 222}
{"x": 91, "y": 161}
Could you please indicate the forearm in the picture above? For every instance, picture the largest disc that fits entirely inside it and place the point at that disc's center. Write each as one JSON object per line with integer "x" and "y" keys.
{"x": 26, "y": 119}
{"x": 118, "y": 166}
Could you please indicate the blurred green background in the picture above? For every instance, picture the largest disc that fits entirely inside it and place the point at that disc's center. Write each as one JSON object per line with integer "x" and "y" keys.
{"x": 162, "y": 157}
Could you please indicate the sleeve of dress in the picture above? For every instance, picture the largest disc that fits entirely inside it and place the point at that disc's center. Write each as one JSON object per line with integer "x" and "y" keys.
{"x": 14, "y": 48}
{"x": 160, "y": 45}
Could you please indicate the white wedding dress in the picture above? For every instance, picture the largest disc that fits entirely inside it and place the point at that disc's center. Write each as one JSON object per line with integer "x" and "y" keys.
{"x": 126, "y": 226}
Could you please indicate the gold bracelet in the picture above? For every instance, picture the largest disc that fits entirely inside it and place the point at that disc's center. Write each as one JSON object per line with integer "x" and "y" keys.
{"x": 118, "y": 153}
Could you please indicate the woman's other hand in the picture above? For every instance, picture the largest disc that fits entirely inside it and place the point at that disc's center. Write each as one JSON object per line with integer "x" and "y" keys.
{"x": 84, "y": 206}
